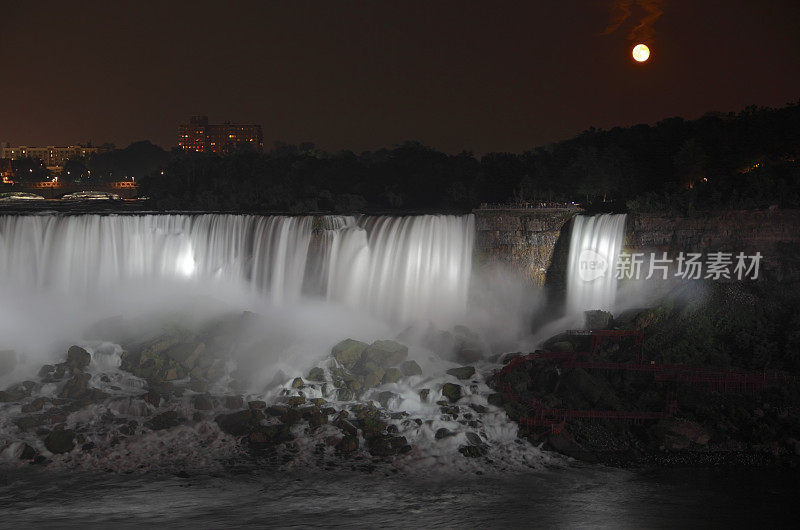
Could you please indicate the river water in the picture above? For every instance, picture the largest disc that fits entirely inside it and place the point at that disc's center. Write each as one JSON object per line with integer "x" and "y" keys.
{"x": 572, "y": 497}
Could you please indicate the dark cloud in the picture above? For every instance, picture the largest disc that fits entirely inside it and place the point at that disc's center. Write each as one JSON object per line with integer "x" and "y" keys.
{"x": 624, "y": 9}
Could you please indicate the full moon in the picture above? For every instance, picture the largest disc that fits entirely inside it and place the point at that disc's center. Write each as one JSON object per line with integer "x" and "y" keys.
{"x": 641, "y": 53}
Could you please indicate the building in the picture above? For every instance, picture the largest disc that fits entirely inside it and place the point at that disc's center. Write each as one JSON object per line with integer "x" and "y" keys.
{"x": 51, "y": 156}
{"x": 6, "y": 171}
{"x": 198, "y": 135}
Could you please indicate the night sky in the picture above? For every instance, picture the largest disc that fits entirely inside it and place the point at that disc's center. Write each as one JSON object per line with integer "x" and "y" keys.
{"x": 455, "y": 75}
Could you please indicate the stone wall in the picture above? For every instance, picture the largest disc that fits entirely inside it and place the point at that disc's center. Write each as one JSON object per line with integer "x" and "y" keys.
{"x": 526, "y": 242}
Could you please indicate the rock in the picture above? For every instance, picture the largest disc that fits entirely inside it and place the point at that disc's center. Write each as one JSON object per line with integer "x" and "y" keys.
{"x": 202, "y": 402}
{"x": 452, "y": 392}
{"x": 347, "y": 444}
{"x": 469, "y": 355}
{"x": 564, "y": 443}
{"x": 59, "y": 441}
{"x": 35, "y": 405}
{"x": 28, "y": 453}
{"x": 348, "y": 352}
{"x": 77, "y": 387}
{"x": 267, "y": 436}
{"x": 8, "y": 361}
{"x": 294, "y": 401}
{"x": 25, "y": 423}
{"x": 385, "y": 353}
{"x": 78, "y": 358}
{"x": 372, "y": 378}
{"x": 239, "y": 423}
{"x": 165, "y": 420}
{"x": 465, "y": 372}
{"x": 316, "y": 374}
{"x": 344, "y": 394}
{"x": 473, "y": 438}
{"x": 318, "y": 401}
{"x": 453, "y": 411}
{"x": 197, "y": 384}
{"x": 313, "y": 416}
{"x": 480, "y": 409}
{"x": 298, "y": 382}
{"x": 597, "y": 319}
{"x": 153, "y": 397}
{"x": 495, "y": 399}
{"x": 234, "y": 402}
{"x": 257, "y": 404}
{"x": 346, "y": 427}
{"x": 46, "y": 370}
{"x": 424, "y": 394}
{"x": 287, "y": 415}
{"x": 443, "y": 433}
{"x": 410, "y": 368}
{"x": 392, "y": 375}
{"x": 388, "y": 445}
{"x": 473, "y": 451}
{"x": 385, "y": 397}
{"x": 185, "y": 353}
{"x": 676, "y": 434}
{"x": 372, "y": 427}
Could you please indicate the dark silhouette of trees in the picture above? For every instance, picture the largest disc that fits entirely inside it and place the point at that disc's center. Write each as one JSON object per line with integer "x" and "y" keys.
{"x": 735, "y": 160}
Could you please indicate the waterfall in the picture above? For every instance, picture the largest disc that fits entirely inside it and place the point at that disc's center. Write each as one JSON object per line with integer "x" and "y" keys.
{"x": 594, "y": 248}
{"x": 402, "y": 268}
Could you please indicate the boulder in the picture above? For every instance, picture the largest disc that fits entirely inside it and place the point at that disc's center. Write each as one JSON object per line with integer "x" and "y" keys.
{"x": 298, "y": 382}
{"x": 257, "y": 404}
{"x": 410, "y": 368}
{"x": 185, "y": 353}
{"x": 59, "y": 441}
{"x": 473, "y": 451}
{"x": 347, "y": 444}
{"x": 469, "y": 355}
{"x": 234, "y": 402}
{"x": 239, "y": 423}
{"x": 78, "y": 358}
{"x": 202, "y": 402}
{"x": 385, "y": 353}
{"x": 77, "y": 387}
{"x": 388, "y": 445}
{"x": 424, "y": 394}
{"x": 35, "y": 405}
{"x": 348, "y": 352}
{"x": 385, "y": 397}
{"x": 443, "y": 433}
{"x": 392, "y": 375}
{"x": 452, "y": 392}
{"x": 287, "y": 415}
{"x": 165, "y": 420}
{"x": 8, "y": 361}
{"x": 597, "y": 319}
{"x": 463, "y": 373}
{"x": 316, "y": 374}
{"x": 372, "y": 427}
{"x": 267, "y": 436}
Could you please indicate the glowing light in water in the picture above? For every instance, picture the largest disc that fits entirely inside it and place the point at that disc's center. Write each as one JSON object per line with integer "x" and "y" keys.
{"x": 401, "y": 268}
{"x": 595, "y": 244}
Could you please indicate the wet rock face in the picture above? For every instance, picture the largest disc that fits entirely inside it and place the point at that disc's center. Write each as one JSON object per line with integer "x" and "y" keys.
{"x": 348, "y": 352}
{"x": 597, "y": 319}
{"x": 165, "y": 420}
{"x": 452, "y": 392}
{"x": 463, "y": 373}
{"x": 59, "y": 441}
{"x": 78, "y": 358}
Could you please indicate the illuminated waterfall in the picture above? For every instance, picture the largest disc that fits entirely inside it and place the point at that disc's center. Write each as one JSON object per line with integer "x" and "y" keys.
{"x": 594, "y": 248}
{"x": 402, "y": 268}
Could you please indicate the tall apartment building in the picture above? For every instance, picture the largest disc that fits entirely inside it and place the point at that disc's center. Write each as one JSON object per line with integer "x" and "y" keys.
{"x": 198, "y": 135}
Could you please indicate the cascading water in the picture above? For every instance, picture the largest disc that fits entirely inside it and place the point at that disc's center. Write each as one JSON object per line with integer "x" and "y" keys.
{"x": 594, "y": 248}
{"x": 402, "y": 268}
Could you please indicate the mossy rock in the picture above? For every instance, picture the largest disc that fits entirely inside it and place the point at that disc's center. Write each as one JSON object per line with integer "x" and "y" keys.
{"x": 392, "y": 375}
{"x": 462, "y": 373}
{"x": 239, "y": 423}
{"x": 597, "y": 319}
{"x": 495, "y": 399}
{"x": 298, "y": 382}
{"x": 78, "y": 358}
{"x": 385, "y": 353}
{"x": 347, "y": 444}
{"x": 348, "y": 352}
{"x": 165, "y": 420}
{"x": 410, "y": 368}
{"x": 372, "y": 426}
{"x": 316, "y": 374}
{"x": 59, "y": 441}
{"x": 424, "y": 394}
{"x": 185, "y": 353}
{"x": 452, "y": 392}
{"x": 385, "y": 397}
